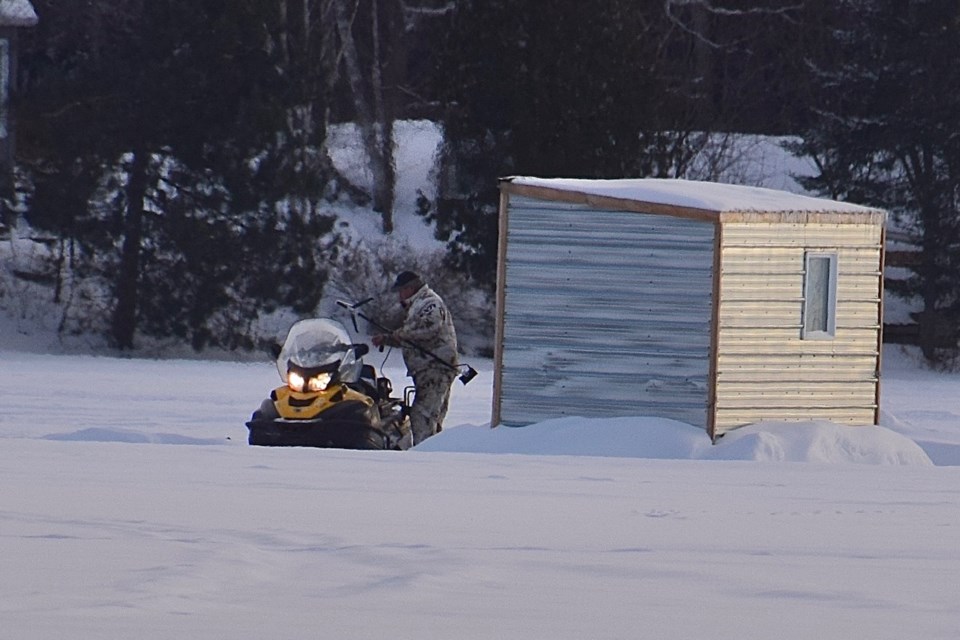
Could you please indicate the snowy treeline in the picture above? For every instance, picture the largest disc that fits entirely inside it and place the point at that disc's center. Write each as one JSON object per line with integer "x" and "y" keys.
{"x": 178, "y": 158}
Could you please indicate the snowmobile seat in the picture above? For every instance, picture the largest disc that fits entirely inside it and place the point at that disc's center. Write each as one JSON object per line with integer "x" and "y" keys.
{"x": 384, "y": 387}
{"x": 368, "y": 381}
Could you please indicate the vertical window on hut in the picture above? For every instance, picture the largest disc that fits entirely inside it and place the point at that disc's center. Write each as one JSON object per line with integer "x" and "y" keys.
{"x": 819, "y": 296}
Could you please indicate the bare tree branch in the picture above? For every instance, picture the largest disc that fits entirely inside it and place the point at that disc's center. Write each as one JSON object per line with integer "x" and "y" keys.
{"x": 707, "y": 7}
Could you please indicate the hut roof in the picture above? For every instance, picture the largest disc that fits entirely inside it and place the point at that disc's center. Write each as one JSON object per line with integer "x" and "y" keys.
{"x": 708, "y": 199}
{"x": 17, "y": 13}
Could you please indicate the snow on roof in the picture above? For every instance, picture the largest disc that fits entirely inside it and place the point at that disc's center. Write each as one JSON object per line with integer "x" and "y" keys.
{"x": 17, "y": 13}
{"x": 708, "y": 196}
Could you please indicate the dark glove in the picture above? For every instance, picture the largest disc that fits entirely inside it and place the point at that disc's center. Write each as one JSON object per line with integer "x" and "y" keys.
{"x": 384, "y": 339}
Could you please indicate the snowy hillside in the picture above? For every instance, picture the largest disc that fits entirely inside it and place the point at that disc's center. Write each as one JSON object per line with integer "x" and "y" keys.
{"x": 30, "y": 302}
{"x": 28, "y": 297}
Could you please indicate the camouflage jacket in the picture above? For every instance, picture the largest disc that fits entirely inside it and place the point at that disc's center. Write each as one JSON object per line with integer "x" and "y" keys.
{"x": 429, "y": 325}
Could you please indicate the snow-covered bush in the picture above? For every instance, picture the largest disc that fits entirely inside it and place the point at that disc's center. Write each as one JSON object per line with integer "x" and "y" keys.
{"x": 366, "y": 269}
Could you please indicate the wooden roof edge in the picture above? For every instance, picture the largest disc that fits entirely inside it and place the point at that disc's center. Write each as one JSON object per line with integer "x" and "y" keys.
{"x": 606, "y": 202}
{"x": 864, "y": 216}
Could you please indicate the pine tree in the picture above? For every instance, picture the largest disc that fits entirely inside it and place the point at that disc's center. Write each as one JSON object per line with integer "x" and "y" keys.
{"x": 174, "y": 120}
{"x": 595, "y": 90}
{"x": 884, "y": 134}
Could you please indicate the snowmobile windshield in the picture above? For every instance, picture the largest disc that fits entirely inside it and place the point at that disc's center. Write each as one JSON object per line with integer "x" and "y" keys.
{"x": 314, "y": 344}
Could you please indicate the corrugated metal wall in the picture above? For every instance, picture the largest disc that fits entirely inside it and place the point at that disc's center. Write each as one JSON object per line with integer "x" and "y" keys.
{"x": 764, "y": 370}
{"x": 605, "y": 313}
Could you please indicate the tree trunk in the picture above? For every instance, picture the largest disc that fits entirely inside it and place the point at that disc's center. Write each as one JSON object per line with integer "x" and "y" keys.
{"x": 125, "y": 313}
{"x": 373, "y": 131}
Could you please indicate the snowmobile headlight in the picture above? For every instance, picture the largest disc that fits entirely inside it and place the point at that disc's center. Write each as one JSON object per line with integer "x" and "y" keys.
{"x": 295, "y": 381}
{"x": 319, "y": 382}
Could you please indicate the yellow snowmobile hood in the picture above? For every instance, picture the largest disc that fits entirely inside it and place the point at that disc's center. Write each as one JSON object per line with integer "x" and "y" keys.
{"x": 298, "y": 405}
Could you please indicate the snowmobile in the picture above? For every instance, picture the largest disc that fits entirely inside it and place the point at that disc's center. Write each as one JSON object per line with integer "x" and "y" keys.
{"x": 329, "y": 398}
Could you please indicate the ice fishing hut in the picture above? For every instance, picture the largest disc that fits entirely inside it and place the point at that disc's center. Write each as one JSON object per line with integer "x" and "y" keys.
{"x": 713, "y": 304}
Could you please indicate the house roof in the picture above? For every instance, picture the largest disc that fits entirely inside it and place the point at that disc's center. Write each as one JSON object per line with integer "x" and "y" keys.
{"x": 17, "y": 13}
{"x": 703, "y": 199}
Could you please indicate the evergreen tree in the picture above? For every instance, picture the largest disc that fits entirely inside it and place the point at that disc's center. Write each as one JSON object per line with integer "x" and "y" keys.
{"x": 595, "y": 90}
{"x": 884, "y": 134}
{"x": 529, "y": 98}
{"x": 191, "y": 131}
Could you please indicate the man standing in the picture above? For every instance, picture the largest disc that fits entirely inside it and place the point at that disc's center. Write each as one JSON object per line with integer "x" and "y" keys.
{"x": 429, "y": 344}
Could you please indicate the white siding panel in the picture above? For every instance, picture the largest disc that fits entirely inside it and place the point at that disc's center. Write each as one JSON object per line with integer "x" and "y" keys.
{"x": 765, "y": 371}
{"x": 789, "y": 260}
{"x": 801, "y": 235}
{"x": 783, "y": 393}
{"x": 728, "y": 419}
{"x": 781, "y": 313}
{"x": 606, "y": 313}
{"x": 774, "y": 341}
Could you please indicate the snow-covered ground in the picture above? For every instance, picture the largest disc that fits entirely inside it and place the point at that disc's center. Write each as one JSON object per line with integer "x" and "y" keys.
{"x": 131, "y": 507}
